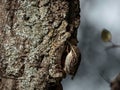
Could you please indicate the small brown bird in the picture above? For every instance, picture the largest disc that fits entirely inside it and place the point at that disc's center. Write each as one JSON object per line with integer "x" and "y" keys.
{"x": 72, "y": 61}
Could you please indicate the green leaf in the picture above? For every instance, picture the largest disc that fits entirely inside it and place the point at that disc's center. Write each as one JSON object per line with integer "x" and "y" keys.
{"x": 106, "y": 35}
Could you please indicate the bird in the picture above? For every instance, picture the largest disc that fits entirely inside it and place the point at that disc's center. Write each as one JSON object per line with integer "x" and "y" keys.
{"x": 72, "y": 61}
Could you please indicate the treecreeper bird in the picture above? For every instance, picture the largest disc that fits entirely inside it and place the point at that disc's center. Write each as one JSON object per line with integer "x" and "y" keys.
{"x": 72, "y": 60}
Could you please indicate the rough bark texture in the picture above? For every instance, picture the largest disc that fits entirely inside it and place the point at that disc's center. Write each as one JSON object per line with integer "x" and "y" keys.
{"x": 33, "y": 36}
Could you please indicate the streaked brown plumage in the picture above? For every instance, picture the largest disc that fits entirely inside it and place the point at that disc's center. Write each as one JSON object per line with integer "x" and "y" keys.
{"x": 72, "y": 61}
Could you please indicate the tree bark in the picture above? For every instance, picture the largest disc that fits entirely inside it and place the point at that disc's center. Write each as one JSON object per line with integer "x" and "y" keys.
{"x": 33, "y": 42}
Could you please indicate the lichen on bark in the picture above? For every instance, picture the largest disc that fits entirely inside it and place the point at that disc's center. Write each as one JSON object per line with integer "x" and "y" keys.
{"x": 33, "y": 35}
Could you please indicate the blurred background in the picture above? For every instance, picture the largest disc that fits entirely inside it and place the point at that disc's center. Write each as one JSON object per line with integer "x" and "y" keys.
{"x": 99, "y": 66}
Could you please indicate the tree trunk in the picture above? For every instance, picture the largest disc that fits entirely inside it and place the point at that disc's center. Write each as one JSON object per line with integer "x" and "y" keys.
{"x": 33, "y": 42}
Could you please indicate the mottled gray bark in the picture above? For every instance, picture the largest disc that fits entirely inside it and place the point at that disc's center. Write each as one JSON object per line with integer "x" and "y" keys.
{"x": 33, "y": 42}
